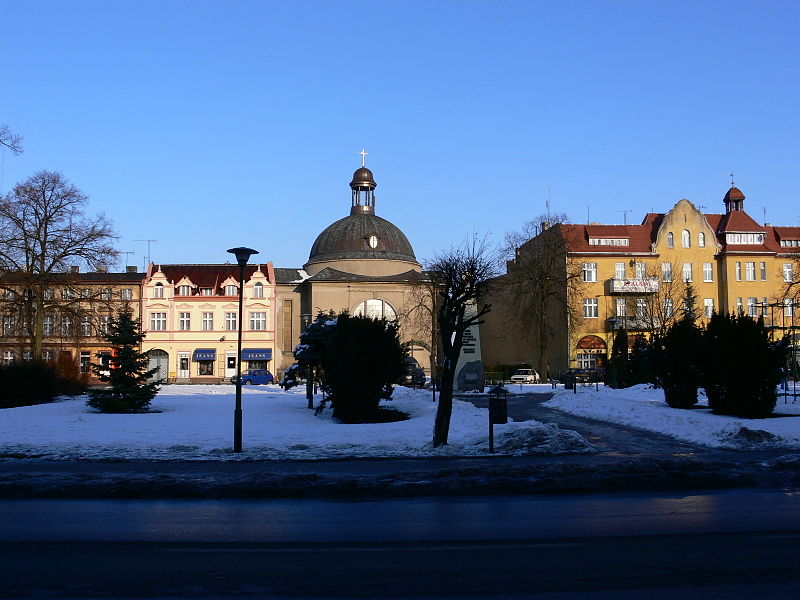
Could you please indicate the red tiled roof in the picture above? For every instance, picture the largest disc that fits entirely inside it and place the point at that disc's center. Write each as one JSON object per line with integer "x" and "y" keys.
{"x": 734, "y": 194}
{"x": 640, "y": 237}
{"x": 206, "y": 276}
{"x": 738, "y": 220}
{"x": 787, "y": 233}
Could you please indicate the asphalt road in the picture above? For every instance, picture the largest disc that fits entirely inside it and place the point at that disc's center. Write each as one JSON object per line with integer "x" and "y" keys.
{"x": 726, "y": 545}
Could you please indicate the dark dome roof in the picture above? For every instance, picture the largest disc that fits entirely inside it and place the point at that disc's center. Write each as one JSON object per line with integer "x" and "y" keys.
{"x": 349, "y": 238}
{"x": 363, "y": 178}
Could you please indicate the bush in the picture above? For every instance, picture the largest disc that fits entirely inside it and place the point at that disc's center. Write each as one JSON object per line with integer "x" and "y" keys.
{"x": 742, "y": 369}
{"x": 361, "y": 360}
{"x": 26, "y": 383}
{"x": 619, "y": 370}
{"x": 642, "y": 369}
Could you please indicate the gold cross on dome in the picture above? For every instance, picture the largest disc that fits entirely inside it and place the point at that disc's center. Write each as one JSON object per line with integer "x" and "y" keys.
{"x": 363, "y": 154}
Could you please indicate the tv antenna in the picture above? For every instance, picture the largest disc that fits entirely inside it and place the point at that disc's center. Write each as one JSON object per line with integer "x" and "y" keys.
{"x": 127, "y": 253}
{"x": 625, "y": 215}
{"x": 147, "y": 258}
{"x": 548, "y": 200}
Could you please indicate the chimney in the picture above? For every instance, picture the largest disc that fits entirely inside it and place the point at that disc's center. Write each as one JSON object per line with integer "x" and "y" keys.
{"x": 74, "y": 269}
{"x": 131, "y": 269}
{"x": 102, "y": 269}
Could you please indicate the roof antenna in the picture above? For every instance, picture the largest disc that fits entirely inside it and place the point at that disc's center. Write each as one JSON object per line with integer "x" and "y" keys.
{"x": 732, "y": 184}
{"x": 765, "y": 216}
{"x": 625, "y": 215}
{"x": 146, "y": 258}
{"x": 126, "y": 257}
{"x": 548, "y": 201}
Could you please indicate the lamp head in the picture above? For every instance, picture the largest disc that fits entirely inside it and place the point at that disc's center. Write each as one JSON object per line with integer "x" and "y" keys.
{"x": 242, "y": 254}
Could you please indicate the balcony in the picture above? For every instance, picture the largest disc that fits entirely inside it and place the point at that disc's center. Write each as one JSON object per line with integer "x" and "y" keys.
{"x": 633, "y": 286}
{"x": 633, "y": 323}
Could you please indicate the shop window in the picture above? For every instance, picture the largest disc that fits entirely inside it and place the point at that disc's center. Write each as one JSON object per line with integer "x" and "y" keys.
{"x": 205, "y": 367}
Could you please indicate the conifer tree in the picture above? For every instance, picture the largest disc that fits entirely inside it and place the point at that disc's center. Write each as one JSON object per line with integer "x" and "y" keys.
{"x": 679, "y": 356}
{"x": 129, "y": 390}
{"x": 619, "y": 369}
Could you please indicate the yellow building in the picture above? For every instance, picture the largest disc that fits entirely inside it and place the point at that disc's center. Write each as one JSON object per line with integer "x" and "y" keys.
{"x": 190, "y": 318}
{"x": 635, "y": 277}
{"x": 77, "y": 310}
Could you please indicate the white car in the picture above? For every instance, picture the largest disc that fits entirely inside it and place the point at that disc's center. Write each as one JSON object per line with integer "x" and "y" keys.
{"x": 525, "y": 376}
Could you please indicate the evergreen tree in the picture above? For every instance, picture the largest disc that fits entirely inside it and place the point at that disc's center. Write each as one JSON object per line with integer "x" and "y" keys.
{"x": 619, "y": 367}
{"x": 690, "y": 303}
{"x": 678, "y": 360}
{"x": 362, "y": 358}
{"x": 641, "y": 361}
{"x": 742, "y": 369}
{"x": 127, "y": 373}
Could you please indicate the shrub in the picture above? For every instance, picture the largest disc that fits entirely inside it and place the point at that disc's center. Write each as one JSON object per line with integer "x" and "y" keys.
{"x": 678, "y": 370}
{"x": 642, "y": 369}
{"x": 361, "y": 360}
{"x": 26, "y": 383}
{"x": 619, "y": 370}
{"x": 741, "y": 369}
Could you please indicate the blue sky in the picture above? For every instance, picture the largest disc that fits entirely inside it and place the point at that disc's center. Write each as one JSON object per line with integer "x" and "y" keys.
{"x": 207, "y": 125}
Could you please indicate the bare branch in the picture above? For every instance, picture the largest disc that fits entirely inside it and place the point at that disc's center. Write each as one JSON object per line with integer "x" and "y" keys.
{"x": 10, "y": 140}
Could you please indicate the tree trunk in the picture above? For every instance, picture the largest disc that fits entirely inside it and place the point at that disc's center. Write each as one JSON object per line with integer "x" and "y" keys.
{"x": 441, "y": 427}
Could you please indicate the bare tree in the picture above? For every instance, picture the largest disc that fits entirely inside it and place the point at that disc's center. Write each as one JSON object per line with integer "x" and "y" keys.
{"x": 418, "y": 317}
{"x": 543, "y": 284}
{"x": 10, "y": 140}
{"x": 44, "y": 233}
{"x": 462, "y": 276}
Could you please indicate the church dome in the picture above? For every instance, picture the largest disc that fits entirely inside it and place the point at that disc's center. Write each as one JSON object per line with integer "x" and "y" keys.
{"x": 361, "y": 236}
{"x": 363, "y": 178}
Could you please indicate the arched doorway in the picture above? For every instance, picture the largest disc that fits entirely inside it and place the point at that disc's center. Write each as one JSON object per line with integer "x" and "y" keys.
{"x": 159, "y": 359}
{"x": 591, "y": 352}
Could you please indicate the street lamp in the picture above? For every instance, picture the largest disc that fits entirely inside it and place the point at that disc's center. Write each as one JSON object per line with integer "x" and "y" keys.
{"x": 242, "y": 256}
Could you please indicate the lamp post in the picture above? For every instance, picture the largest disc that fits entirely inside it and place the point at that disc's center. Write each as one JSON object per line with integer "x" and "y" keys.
{"x": 242, "y": 256}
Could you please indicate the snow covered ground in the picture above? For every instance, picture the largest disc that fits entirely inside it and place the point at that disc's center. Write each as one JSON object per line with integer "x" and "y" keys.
{"x": 195, "y": 422}
{"x": 643, "y": 407}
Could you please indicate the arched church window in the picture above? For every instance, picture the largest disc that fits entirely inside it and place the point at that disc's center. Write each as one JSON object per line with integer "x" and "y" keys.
{"x": 375, "y": 308}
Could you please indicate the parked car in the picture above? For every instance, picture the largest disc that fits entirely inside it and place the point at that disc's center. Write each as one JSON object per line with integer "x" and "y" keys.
{"x": 414, "y": 374}
{"x": 255, "y": 377}
{"x": 525, "y": 376}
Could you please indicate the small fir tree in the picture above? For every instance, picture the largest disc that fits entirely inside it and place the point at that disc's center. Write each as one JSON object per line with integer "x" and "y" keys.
{"x": 678, "y": 360}
{"x": 641, "y": 361}
{"x": 619, "y": 369}
{"x": 129, "y": 390}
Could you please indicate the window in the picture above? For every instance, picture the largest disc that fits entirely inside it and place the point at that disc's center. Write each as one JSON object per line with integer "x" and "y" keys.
{"x": 763, "y": 269}
{"x": 126, "y": 294}
{"x": 9, "y": 326}
{"x": 752, "y": 307}
{"x": 764, "y": 307}
{"x": 375, "y": 308}
{"x": 48, "y": 325}
{"x": 619, "y": 271}
{"x": 750, "y": 270}
{"x": 590, "y": 271}
{"x": 49, "y": 294}
{"x": 622, "y": 307}
{"x": 670, "y": 240}
{"x": 206, "y": 291}
{"x": 708, "y": 272}
{"x": 185, "y": 321}
{"x": 158, "y": 321}
{"x": 105, "y": 294}
{"x": 66, "y": 326}
{"x": 641, "y": 270}
{"x": 47, "y": 355}
{"x": 739, "y": 307}
{"x": 184, "y": 290}
{"x": 258, "y": 321}
{"x": 666, "y": 271}
{"x": 86, "y": 293}
{"x": 231, "y": 290}
{"x": 708, "y": 306}
{"x": 68, "y": 294}
{"x": 586, "y": 360}
{"x": 738, "y": 271}
{"x": 205, "y": 367}
{"x": 85, "y": 358}
{"x": 701, "y": 240}
{"x": 686, "y": 238}
{"x": 669, "y": 308}
{"x": 590, "y": 308}
{"x": 8, "y": 356}
{"x": 105, "y": 320}
{"x": 609, "y": 241}
{"x": 86, "y": 326}
{"x": 744, "y": 238}
{"x": 158, "y": 291}
{"x": 790, "y": 243}
{"x": 208, "y": 321}
{"x": 687, "y": 272}
{"x": 788, "y": 272}
{"x": 788, "y": 307}
{"x": 230, "y": 321}
{"x": 641, "y": 308}
{"x": 258, "y": 290}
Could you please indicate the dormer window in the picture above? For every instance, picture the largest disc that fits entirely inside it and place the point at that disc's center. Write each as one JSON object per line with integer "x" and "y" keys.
{"x": 608, "y": 241}
{"x": 744, "y": 239}
{"x": 790, "y": 243}
{"x": 231, "y": 290}
{"x": 184, "y": 290}
{"x": 206, "y": 291}
{"x": 258, "y": 290}
{"x": 158, "y": 290}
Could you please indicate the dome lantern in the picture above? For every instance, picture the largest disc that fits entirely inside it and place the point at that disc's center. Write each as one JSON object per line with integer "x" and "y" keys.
{"x": 363, "y": 189}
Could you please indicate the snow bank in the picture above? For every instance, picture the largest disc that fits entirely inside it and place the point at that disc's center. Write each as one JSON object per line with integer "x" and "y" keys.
{"x": 195, "y": 422}
{"x": 643, "y": 407}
